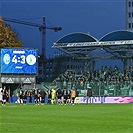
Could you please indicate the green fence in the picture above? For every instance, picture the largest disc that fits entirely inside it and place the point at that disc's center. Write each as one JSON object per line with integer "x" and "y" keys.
{"x": 100, "y": 88}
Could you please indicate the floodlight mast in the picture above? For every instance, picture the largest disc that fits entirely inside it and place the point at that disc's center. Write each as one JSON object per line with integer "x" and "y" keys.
{"x": 42, "y": 28}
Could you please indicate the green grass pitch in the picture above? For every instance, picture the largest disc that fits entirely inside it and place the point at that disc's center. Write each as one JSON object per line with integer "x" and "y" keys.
{"x": 94, "y": 118}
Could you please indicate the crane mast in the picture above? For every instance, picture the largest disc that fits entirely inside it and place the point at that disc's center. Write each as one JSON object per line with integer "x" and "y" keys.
{"x": 44, "y": 38}
{"x": 42, "y": 28}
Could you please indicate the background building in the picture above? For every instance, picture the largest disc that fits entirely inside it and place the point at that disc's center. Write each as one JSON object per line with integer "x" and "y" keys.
{"x": 49, "y": 69}
{"x": 129, "y": 14}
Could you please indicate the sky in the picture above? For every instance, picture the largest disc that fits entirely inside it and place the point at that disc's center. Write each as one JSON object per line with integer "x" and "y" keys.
{"x": 96, "y": 17}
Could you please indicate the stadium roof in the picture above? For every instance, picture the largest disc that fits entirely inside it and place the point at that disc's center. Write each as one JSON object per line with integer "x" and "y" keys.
{"x": 117, "y": 43}
{"x": 118, "y": 36}
{"x": 76, "y": 38}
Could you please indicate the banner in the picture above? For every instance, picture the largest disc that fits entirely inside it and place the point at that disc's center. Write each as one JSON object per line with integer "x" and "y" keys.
{"x": 103, "y": 99}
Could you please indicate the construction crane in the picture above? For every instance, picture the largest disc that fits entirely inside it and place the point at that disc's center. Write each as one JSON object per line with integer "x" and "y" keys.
{"x": 42, "y": 27}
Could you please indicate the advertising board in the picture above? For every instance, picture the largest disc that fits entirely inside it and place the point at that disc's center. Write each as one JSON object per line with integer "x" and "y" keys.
{"x": 103, "y": 99}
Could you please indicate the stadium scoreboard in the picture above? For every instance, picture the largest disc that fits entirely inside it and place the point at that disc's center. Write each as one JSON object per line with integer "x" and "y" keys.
{"x": 18, "y": 61}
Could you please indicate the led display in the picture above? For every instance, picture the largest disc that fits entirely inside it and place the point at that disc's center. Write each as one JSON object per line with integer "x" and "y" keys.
{"x": 18, "y": 61}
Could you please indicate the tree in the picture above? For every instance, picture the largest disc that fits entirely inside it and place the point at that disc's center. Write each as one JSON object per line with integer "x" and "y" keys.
{"x": 8, "y": 37}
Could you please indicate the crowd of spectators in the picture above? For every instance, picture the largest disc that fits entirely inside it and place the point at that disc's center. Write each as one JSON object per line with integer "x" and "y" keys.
{"x": 105, "y": 74}
{"x": 110, "y": 79}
